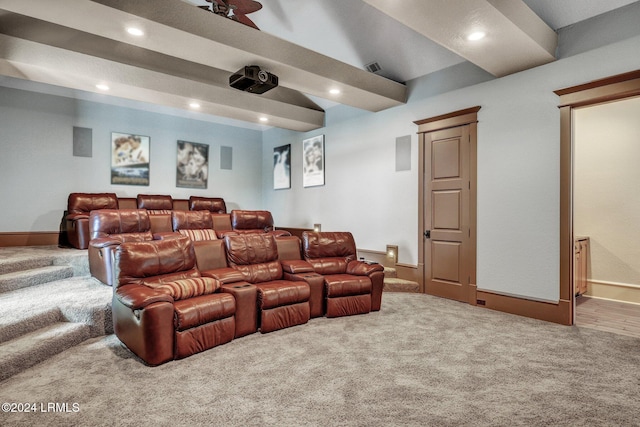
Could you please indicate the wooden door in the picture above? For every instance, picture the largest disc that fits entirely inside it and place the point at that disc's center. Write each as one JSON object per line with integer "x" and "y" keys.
{"x": 447, "y": 236}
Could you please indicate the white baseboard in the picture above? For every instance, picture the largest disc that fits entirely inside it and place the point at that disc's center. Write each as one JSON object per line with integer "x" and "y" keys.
{"x": 616, "y": 291}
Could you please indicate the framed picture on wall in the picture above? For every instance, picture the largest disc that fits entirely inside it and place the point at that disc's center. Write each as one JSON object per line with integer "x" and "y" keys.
{"x": 129, "y": 159}
{"x": 192, "y": 165}
{"x": 282, "y": 167}
{"x": 313, "y": 161}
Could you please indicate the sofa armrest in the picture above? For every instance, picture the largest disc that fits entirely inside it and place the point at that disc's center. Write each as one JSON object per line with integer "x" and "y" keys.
{"x": 296, "y": 266}
{"x": 222, "y": 233}
{"x": 77, "y": 216}
{"x": 360, "y": 268}
{"x": 279, "y": 233}
{"x": 137, "y": 297}
{"x": 316, "y": 287}
{"x": 246, "y": 296}
{"x": 77, "y": 228}
{"x": 225, "y": 275}
{"x": 166, "y": 235}
{"x": 104, "y": 242}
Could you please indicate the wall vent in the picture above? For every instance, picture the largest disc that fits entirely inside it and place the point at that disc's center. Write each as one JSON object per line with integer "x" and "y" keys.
{"x": 374, "y": 67}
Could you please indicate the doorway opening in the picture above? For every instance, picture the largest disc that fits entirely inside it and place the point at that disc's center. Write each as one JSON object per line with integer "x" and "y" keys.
{"x": 598, "y": 92}
{"x": 606, "y": 210}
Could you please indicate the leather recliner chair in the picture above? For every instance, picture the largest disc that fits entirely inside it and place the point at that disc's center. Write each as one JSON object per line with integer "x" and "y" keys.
{"x": 197, "y": 226}
{"x": 211, "y": 260}
{"x": 218, "y": 209}
{"x": 215, "y": 205}
{"x": 351, "y": 286}
{"x": 109, "y": 228}
{"x": 281, "y": 303}
{"x": 157, "y": 203}
{"x": 214, "y": 264}
{"x": 159, "y": 208}
{"x": 79, "y": 206}
{"x": 162, "y": 308}
{"x": 248, "y": 221}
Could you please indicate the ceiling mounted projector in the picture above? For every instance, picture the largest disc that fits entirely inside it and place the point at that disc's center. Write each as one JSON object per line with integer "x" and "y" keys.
{"x": 253, "y": 79}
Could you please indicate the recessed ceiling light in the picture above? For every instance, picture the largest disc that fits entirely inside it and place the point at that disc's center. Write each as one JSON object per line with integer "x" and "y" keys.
{"x": 334, "y": 91}
{"x": 194, "y": 105}
{"x": 476, "y": 35}
{"x": 102, "y": 86}
{"x": 135, "y": 31}
{"x": 264, "y": 119}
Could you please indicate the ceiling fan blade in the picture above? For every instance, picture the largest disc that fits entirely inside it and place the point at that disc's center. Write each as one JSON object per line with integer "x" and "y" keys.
{"x": 245, "y": 6}
{"x": 240, "y": 17}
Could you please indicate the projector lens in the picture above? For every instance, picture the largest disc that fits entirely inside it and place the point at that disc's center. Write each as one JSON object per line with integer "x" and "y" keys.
{"x": 263, "y": 76}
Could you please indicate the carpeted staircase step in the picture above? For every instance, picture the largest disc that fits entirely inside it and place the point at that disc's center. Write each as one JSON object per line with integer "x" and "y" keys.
{"x": 76, "y": 299}
{"x": 20, "y": 258}
{"x": 390, "y": 272}
{"x": 36, "y": 276}
{"x": 16, "y": 325}
{"x": 48, "y": 303}
{"x": 9, "y": 264}
{"x": 400, "y": 285}
{"x": 30, "y": 349}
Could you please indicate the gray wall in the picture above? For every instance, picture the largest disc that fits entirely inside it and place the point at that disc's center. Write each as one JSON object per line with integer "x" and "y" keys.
{"x": 38, "y": 169}
{"x": 518, "y": 169}
{"x": 518, "y": 161}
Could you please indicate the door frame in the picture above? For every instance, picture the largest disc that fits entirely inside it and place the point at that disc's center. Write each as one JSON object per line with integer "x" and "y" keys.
{"x": 464, "y": 117}
{"x": 600, "y": 91}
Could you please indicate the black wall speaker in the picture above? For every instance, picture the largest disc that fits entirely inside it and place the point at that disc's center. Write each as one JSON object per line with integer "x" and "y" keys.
{"x": 82, "y": 142}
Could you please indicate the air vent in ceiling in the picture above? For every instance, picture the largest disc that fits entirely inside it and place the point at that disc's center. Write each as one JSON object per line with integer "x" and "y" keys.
{"x": 374, "y": 67}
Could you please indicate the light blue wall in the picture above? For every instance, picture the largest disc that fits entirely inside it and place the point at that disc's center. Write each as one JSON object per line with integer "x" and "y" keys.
{"x": 518, "y": 169}
{"x": 363, "y": 192}
{"x": 38, "y": 169}
{"x": 518, "y": 160}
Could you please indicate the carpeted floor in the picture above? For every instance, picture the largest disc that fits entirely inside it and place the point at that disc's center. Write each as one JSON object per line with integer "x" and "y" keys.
{"x": 421, "y": 361}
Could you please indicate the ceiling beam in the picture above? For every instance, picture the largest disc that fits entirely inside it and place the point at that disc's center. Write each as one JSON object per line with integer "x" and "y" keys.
{"x": 28, "y": 60}
{"x": 181, "y": 30}
{"x": 516, "y": 38}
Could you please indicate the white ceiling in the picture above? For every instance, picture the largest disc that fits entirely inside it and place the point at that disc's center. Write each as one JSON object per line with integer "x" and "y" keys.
{"x": 312, "y": 45}
{"x": 354, "y": 32}
{"x": 561, "y": 13}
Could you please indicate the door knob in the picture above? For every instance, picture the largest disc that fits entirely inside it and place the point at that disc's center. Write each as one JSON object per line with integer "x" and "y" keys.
{"x": 427, "y": 234}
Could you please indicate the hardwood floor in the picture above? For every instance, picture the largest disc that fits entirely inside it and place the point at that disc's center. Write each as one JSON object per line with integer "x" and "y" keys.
{"x": 611, "y": 316}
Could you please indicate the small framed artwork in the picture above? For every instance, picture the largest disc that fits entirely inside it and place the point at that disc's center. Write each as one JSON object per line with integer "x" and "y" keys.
{"x": 129, "y": 159}
{"x": 282, "y": 167}
{"x": 313, "y": 161}
{"x": 192, "y": 165}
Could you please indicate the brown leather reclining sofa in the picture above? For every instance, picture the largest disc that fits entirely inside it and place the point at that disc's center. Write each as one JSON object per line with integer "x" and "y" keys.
{"x": 169, "y": 302}
{"x": 75, "y": 222}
